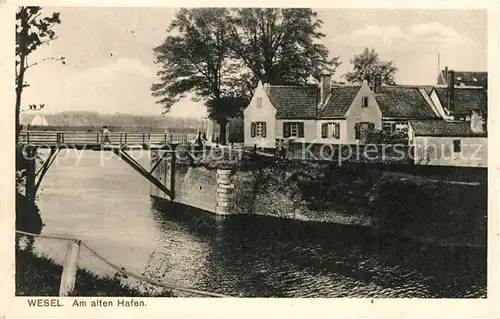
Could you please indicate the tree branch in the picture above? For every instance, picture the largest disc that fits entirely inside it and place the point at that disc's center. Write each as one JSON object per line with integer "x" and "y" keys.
{"x": 32, "y": 18}
{"x": 43, "y": 60}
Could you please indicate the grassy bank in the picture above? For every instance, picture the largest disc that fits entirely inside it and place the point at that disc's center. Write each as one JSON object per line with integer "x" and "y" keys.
{"x": 40, "y": 276}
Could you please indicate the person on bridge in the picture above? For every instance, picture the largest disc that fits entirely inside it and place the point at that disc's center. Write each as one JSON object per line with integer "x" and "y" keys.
{"x": 105, "y": 135}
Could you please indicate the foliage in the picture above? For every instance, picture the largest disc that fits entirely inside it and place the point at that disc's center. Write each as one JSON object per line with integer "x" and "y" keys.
{"x": 278, "y": 45}
{"x": 27, "y": 215}
{"x": 367, "y": 65}
{"x": 196, "y": 59}
{"x": 33, "y": 30}
{"x": 413, "y": 205}
{"x": 95, "y": 120}
{"x": 385, "y": 137}
{"x": 218, "y": 55}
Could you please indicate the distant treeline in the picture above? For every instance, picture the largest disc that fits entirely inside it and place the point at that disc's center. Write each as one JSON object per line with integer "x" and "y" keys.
{"x": 91, "y": 121}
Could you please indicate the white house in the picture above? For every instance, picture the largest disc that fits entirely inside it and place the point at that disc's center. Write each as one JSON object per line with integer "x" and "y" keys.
{"x": 338, "y": 114}
{"x": 450, "y": 143}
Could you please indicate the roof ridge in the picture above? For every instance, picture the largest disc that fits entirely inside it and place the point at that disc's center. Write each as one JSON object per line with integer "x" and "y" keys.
{"x": 289, "y": 86}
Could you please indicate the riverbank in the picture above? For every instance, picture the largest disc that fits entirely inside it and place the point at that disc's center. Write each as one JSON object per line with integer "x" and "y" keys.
{"x": 40, "y": 276}
{"x": 430, "y": 209}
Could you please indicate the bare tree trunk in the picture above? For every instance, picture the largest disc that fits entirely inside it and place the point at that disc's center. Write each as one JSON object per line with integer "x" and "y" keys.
{"x": 19, "y": 91}
{"x": 223, "y": 131}
{"x": 22, "y": 68}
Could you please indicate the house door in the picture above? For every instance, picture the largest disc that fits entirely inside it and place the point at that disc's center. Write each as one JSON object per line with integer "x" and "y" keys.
{"x": 363, "y": 128}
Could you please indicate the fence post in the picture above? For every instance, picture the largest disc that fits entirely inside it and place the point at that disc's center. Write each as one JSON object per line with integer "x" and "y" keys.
{"x": 70, "y": 267}
{"x": 126, "y": 138}
{"x": 97, "y": 138}
{"x": 30, "y": 172}
{"x": 172, "y": 174}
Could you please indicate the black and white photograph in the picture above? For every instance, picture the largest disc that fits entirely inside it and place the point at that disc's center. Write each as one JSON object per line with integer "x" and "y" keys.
{"x": 244, "y": 152}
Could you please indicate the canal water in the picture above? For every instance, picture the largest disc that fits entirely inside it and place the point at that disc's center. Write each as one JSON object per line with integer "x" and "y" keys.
{"x": 98, "y": 198}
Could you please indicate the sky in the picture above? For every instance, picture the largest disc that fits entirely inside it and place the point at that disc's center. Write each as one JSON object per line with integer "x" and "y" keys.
{"x": 110, "y": 62}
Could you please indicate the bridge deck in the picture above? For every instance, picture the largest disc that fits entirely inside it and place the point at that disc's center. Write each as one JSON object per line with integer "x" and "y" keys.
{"x": 93, "y": 140}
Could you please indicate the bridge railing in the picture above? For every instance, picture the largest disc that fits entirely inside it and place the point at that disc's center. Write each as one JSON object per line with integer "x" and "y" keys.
{"x": 91, "y": 138}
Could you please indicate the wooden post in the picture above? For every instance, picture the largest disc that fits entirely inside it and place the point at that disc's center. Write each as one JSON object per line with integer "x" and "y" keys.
{"x": 121, "y": 139}
{"x": 126, "y": 138}
{"x": 70, "y": 267}
{"x": 97, "y": 138}
{"x": 143, "y": 138}
{"x": 172, "y": 174}
{"x": 30, "y": 173}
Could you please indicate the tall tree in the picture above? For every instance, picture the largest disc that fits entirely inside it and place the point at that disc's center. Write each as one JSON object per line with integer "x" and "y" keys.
{"x": 367, "y": 65}
{"x": 32, "y": 31}
{"x": 279, "y": 46}
{"x": 196, "y": 59}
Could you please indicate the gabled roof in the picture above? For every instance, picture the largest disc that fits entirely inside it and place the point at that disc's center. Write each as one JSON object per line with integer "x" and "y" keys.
{"x": 339, "y": 101}
{"x": 294, "y": 102}
{"x": 404, "y": 102}
{"x": 466, "y": 99}
{"x": 444, "y": 128}
{"x": 468, "y": 78}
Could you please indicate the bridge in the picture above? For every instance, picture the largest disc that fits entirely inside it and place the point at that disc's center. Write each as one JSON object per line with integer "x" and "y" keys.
{"x": 119, "y": 143}
{"x": 95, "y": 140}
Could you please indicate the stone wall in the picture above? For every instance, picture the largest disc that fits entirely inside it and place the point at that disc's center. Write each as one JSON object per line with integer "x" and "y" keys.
{"x": 207, "y": 189}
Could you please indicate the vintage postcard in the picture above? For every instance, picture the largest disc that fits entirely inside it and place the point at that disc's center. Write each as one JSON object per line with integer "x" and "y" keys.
{"x": 275, "y": 159}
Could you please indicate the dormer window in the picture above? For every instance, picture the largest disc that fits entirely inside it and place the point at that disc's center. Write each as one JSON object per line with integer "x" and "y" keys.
{"x": 364, "y": 102}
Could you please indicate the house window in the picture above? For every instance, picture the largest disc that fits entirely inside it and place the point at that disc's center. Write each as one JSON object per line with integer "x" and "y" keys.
{"x": 330, "y": 130}
{"x": 293, "y": 129}
{"x": 258, "y": 129}
{"x": 365, "y": 101}
{"x": 388, "y": 126}
{"x": 457, "y": 146}
{"x": 259, "y": 102}
{"x": 363, "y": 128}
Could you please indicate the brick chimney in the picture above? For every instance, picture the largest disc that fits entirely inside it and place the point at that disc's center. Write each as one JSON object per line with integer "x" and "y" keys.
{"x": 477, "y": 121}
{"x": 377, "y": 84}
{"x": 326, "y": 78}
{"x": 451, "y": 91}
{"x": 267, "y": 88}
{"x": 446, "y": 74}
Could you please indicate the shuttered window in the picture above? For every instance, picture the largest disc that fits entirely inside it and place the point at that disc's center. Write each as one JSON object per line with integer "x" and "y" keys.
{"x": 336, "y": 132}
{"x": 365, "y": 101}
{"x": 330, "y": 130}
{"x": 258, "y": 129}
{"x": 259, "y": 102}
{"x": 324, "y": 130}
{"x": 457, "y": 146}
{"x": 293, "y": 129}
